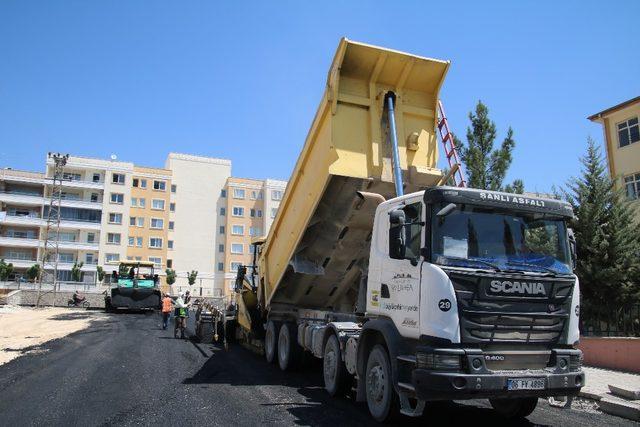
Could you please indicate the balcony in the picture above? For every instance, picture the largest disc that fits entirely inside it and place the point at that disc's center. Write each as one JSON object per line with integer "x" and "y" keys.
{"x": 79, "y": 183}
{"x": 20, "y": 262}
{"x": 69, "y": 201}
{"x": 32, "y": 219}
{"x": 19, "y": 242}
{"x": 21, "y": 198}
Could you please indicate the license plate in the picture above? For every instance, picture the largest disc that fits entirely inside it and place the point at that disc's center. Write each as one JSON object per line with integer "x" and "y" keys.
{"x": 526, "y": 384}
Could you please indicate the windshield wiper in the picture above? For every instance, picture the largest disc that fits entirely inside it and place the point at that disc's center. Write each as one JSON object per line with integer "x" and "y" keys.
{"x": 493, "y": 266}
{"x": 526, "y": 264}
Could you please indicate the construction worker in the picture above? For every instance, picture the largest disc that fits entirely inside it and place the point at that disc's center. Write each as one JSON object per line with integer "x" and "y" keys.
{"x": 167, "y": 306}
{"x": 181, "y": 316}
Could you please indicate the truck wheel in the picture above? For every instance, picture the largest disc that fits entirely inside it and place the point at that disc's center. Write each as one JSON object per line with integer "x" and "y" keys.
{"x": 287, "y": 347}
{"x": 514, "y": 408}
{"x": 382, "y": 399}
{"x": 271, "y": 341}
{"x": 334, "y": 372}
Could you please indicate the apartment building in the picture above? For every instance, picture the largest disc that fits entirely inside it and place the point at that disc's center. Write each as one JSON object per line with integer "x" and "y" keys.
{"x": 251, "y": 205}
{"x": 190, "y": 215}
{"x": 621, "y": 128}
{"x": 195, "y": 217}
{"x": 148, "y": 215}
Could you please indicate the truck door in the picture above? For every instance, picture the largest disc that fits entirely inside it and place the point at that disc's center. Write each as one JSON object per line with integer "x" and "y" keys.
{"x": 399, "y": 293}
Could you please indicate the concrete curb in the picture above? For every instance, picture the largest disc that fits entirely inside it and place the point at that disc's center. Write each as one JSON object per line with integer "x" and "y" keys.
{"x": 619, "y": 407}
{"x": 590, "y": 395}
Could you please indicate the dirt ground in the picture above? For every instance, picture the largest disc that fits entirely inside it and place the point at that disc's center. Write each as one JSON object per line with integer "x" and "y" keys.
{"x": 23, "y": 330}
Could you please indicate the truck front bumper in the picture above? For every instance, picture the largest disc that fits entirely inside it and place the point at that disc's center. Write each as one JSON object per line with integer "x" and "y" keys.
{"x": 475, "y": 381}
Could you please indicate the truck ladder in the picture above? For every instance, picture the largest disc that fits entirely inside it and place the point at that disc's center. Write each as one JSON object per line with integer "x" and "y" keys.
{"x": 455, "y": 167}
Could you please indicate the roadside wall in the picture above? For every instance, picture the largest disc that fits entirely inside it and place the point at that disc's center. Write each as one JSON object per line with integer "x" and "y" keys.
{"x": 619, "y": 353}
{"x": 10, "y": 297}
{"x": 28, "y": 297}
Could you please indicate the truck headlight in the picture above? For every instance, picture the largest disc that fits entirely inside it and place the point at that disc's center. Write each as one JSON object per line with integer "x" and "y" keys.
{"x": 438, "y": 361}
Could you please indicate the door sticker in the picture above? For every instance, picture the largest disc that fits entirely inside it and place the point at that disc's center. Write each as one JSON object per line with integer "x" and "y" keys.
{"x": 444, "y": 305}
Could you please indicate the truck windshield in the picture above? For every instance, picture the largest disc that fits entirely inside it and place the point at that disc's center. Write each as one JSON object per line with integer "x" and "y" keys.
{"x": 477, "y": 237}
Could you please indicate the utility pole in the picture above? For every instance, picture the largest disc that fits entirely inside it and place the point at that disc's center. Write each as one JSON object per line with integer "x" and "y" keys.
{"x": 51, "y": 244}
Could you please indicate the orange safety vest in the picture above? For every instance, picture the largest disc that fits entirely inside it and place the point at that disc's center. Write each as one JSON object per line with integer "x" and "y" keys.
{"x": 166, "y": 305}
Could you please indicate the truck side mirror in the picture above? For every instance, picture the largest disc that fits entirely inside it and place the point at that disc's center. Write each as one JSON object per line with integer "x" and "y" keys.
{"x": 572, "y": 247}
{"x": 397, "y": 247}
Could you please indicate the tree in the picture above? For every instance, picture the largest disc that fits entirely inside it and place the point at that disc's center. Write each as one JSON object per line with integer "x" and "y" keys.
{"x": 607, "y": 239}
{"x": 192, "y": 277}
{"x": 33, "y": 272}
{"x": 517, "y": 187}
{"x": 101, "y": 274}
{"x": 485, "y": 167}
{"x": 171, "y": 276}
{"x": 76, "y": 271}
{"x": 5, "y": 270}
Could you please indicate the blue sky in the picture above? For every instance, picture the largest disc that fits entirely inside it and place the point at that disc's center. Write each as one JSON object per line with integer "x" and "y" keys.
{"x": 242, "y": 80}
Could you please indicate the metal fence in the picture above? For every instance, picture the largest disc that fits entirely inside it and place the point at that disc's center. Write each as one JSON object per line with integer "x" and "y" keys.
{"x": 623, "y": 321}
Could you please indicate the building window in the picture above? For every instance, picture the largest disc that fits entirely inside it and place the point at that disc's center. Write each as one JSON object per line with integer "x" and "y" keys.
{"x": 169, "y": 263}
{"x": 89, "y": 258}
{"x": 113, "y": 238}
{"x": 159, "y": 185}
{"x": 171, "y": 225}
{"x": 221, "y": 248}
{"x": 172, "y": 207}
{"x": 96, "y": 177}
{"x": 134, "y": 202}
{"x": 238, "y": 211}
{"x": 139, "y": 241}
{"x": 252, "y": 213}
{"x": 65, "y": 257}
{"x": 157, "y": 223}
{"x": 94, "y": 197}
{"x": 155, "y": 242}
{"x": 222, "y": 229}
{"x": 115, "y": 218}
{"x": 169, "y": 245}
{"x": 238, "y": 193}
{"x": 136, "y": 221}
{"x": 91, "y": 237}
{"x": 237, "y": 230}
{"x": 628, "y": 132}
{"x": 256, "y": 195}
{"x": 223, "y": 193}
{"x": 632, "y": 186}
{"x": 235, "y": 266}
{"x": 111, "y": 257}
{"x": 237, "y": 248}
{"x": 173, "y": 190}
{"x": 260, "y": 195}
{"x": 156, "y": 260}
{"x": 132, "y": 221}
{"x": 117, "y": 198}
{"x": 157, "y": 204}
{"x": 220, "y": 266}
{"x": 259, "y": 213}
{"x": 223, "y": 211}
{"x": 142, "y": 183}
{"x": 276, "y": 195}
{"x": 132, "y": 241}
{"x": 138, "y": 202}
{"x": 274, "y": 211}
{"x": 71, "y": 176}
{"x": 117, "y": 178}
{"x": 255, "y": 231}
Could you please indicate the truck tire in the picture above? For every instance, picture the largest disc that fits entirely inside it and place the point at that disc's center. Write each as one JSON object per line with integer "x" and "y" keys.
{"x": 382, "y": 399}
{"x": 333, "y": 370}
{"x": 271, "y": 341}
{"x": 514, "y": 408}
{"x": 288, "y": 349}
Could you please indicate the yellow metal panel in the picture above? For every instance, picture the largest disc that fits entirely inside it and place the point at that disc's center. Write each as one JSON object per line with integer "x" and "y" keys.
{"x": 348, "y": 138}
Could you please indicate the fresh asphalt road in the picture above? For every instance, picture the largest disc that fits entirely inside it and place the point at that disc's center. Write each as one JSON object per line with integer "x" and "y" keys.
{"x": 126, "y": 370}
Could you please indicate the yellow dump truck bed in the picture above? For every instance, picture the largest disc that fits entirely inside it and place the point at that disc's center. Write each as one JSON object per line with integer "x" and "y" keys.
{"x": 317, "y": 248}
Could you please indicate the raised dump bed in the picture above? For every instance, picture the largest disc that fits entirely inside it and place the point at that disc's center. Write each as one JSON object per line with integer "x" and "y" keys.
{"x": 317, "y": 248}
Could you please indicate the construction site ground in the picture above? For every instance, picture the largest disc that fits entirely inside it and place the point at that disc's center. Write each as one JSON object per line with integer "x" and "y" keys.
{"x": 124, "y": 369}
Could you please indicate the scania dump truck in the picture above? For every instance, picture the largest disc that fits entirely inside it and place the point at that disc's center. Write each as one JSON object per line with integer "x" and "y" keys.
{"x": 408, "y": 289}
